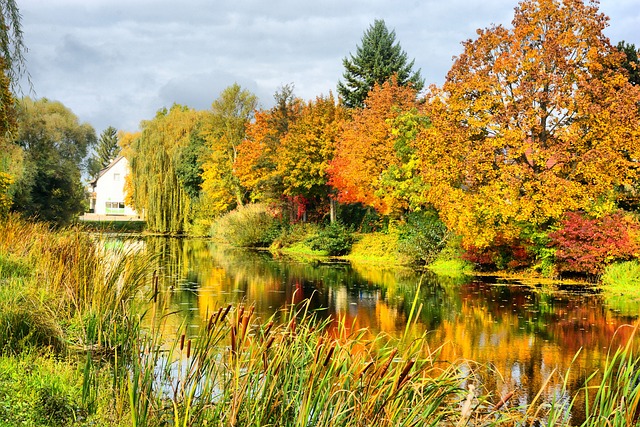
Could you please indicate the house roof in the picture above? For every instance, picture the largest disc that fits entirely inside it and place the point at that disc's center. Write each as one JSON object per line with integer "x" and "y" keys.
{"x": 105, "y": 170}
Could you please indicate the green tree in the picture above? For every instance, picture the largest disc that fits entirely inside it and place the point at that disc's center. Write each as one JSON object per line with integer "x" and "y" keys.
{"x": 55, "y": 144}
{"x": 630, "y": 63}
{"x": 154, "y": 158}
{"x": 11, "y": 44}
{"x": 106, "y": 151}
{"x": 379, "y": 58}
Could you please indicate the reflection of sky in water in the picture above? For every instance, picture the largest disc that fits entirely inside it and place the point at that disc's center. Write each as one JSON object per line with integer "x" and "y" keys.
{"x": 522, "y": 332}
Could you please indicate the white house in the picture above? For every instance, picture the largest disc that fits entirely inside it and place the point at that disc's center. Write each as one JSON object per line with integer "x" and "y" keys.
{"x": 107, "y": 191}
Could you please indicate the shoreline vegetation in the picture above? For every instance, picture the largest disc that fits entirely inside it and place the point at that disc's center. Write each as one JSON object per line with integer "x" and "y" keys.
{"x": 83, "y": 342}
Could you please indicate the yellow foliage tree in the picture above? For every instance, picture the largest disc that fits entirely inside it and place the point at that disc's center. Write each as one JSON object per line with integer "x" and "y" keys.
{"x": 532, "y": 122}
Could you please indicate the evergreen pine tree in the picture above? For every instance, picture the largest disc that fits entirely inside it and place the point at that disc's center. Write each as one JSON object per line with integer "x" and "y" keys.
{"x": 106, "y": 151}
{"x": 376, "y": 61}
{"x": 631, "y": 63}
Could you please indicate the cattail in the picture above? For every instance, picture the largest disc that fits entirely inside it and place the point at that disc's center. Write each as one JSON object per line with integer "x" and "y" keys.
{"x": 155, "y": 286}
{"x": 329, "y": 354}
{"x": 181, "y": 342}
{"x": 188, "y": 349}
{"x": 404, "y": 375}
{"x": 226, "y": 311}
{"x": 245, "y": 322}
{"x": 269, "y": 326}
{"x": 240, "y": 313}
{"x": 269, "y": 342}
{"x": 218, "y": 316}
{"x": 384, "y": 368}
{"x": 233, "y": 339}
{"x": 504, "y": 400}
{"x": 365, "y": 369}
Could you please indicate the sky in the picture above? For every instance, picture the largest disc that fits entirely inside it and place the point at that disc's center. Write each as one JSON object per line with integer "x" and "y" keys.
{"x": 117, "y": 62}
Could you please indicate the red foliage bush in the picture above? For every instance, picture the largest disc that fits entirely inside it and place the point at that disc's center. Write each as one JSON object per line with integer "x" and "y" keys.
{"x": 502, "y": 254}
{"x": 586, "y": 245}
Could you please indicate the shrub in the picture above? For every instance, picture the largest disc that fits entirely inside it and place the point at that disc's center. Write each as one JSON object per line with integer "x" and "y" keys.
{"x": 502, "y": 254}
{"x": 247, "y": 226}
{"x": 334, "y": 239}
{"x": 422, "y": 237}
{"x": 586, "y": 245}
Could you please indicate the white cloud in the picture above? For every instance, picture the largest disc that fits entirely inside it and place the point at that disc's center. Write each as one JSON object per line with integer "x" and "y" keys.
{"x": 116, "y": 62}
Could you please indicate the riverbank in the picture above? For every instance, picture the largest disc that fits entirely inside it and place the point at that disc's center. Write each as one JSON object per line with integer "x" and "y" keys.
{"x": 77, "y": 348}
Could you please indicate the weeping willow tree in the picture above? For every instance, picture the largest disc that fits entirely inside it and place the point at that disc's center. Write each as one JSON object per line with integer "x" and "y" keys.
{"x": 154, "y": 156}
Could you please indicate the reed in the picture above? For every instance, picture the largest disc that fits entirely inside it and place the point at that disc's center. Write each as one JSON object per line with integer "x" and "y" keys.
{"x": 239, "y": 370}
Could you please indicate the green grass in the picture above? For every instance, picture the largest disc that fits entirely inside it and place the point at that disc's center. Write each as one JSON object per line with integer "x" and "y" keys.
{"x": 621, "y": 287}
{"x": 114, "y": 366}
{"x": 377, "y": 248}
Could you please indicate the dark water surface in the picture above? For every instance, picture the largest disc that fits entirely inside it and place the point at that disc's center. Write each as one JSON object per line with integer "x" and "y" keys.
{"x": 522, "y": 333}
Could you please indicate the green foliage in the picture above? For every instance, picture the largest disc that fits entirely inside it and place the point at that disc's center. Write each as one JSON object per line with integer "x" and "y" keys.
{"x": 154, "y": 158}
{"x": 630, "y": 62}
{"x": 622, "y": 275}
{"x": 12, "y": 47}
{"x": 378, "y": 248}
{"x": 189, "y": 164}
{"x": 54, "y": 144}
{"x": 25, "y": 323}
{"x": 39, "y": 390}
{"x": 107, "y": 151}
{"x": 376, "y": 61}
{"x": 334, "y": 239}
{"x": 422, "y": 236}
{"x": 251, "y": 226}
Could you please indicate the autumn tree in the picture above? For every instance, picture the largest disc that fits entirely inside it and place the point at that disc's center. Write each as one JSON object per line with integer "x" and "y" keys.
{"x": 366, "y": 148}
{"x": 223, "y": 131}
{"x": 377, "y": 59}
{"x": 256, "y": 165}
{"x": 153, "y": 158}
{"x": 532, "y": 121}
{"x": 55, "y": 144}
{"x": 306, "y": 150}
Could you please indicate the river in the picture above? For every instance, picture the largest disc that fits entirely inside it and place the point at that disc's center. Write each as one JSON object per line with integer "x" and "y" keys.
{"x": 519, "y": 334}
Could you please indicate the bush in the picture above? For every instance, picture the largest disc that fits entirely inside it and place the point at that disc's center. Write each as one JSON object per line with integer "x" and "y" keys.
{"x": 422, "y": 237}
{"x": 334, "y": 239}
{"x": 587, "y": 245}
{"x": 247, "y": 226}
{"x": 502, "y": 254}
{"x": 292, "y": 234}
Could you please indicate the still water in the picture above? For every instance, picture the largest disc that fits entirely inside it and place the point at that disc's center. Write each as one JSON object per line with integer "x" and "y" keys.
{"x": 520, "y": 334}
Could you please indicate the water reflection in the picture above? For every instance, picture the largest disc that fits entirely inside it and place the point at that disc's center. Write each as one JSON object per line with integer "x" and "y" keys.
{"x": 518, "y": 334}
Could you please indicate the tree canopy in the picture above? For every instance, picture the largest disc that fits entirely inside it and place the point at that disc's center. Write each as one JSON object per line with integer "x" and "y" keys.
{"x": 55, "y": 144}
{"x": 12, "y": 47}
{"x": 532, "y": 122}
{"x": 377, "y": 59}
{"x": 106, "y": 151}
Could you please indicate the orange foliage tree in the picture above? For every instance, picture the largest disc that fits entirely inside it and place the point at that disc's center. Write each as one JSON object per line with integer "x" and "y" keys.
{"x": 256, "y": 163}
{"x": 366, "y": 148}
{"x": 532, "y": 122}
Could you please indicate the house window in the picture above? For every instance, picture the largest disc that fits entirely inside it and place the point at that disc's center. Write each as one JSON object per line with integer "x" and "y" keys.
{"x": 116, "y": 177}
{"x": 115, "y": 208}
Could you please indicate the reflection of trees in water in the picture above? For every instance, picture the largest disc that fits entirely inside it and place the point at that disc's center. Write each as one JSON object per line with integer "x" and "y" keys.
{"x": 521, "y": 332}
